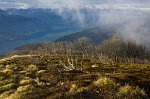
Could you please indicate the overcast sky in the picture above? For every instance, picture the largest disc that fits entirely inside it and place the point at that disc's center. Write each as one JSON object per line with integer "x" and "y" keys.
{"x": 130, "y": 4}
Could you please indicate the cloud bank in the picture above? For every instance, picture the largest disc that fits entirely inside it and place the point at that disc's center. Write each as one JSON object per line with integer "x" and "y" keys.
{"x": 75, "y": 4}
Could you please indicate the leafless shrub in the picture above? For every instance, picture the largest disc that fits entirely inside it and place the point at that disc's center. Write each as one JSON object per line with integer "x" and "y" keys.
{"x": 133, "y": 50}
{"x": 110, "y": 47}
{"x": 83, "y": 45}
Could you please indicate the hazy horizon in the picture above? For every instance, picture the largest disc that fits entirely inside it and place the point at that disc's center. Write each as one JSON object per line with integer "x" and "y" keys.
{"x": 132, "y": 17}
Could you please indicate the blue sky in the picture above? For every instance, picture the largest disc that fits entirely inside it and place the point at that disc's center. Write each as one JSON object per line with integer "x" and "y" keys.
{"x": 72, "y": 3}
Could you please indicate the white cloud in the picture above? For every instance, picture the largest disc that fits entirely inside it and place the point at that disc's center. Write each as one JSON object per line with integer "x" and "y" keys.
{"x": 6, "y": 5}
{"x": 76, "y": 4}
{"x": 117, "y": 7}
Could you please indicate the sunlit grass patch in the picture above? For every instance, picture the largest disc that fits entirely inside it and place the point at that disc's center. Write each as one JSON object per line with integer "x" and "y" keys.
{"x": 6, "y": 94}
{"x": 7, "y": 87}
{"x": 106, "y": 84}
{"x": 73, "y": 88}
{"x": 25, "y": 88}
{"x": 21, "y": 91}
{"x": 41, "y": 71}
{"x": 25, "y": 81}
{"x": 32, "y": 68}
{"x": 130, "y": 92}
{"x": 8, "y": 71}
{"x": 7, "y": 81}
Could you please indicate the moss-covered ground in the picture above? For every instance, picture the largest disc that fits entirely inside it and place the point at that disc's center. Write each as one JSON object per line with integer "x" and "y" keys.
{"x": 30, "y": 77}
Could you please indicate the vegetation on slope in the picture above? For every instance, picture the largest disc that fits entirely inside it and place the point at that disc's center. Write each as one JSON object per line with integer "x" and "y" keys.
{"x": 29, "y": 77}
{"x": 113, "y": 69}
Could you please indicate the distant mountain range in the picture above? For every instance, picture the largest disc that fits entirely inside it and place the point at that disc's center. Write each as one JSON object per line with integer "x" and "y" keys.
{"x": 97, "y": 35}
{"x": 27, "y": 26}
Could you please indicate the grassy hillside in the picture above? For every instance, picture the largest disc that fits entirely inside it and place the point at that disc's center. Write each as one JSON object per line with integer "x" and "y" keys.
{"x": 28, "y": 77}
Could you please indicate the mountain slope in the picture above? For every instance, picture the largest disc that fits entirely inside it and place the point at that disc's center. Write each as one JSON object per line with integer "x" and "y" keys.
{"x": 19, "y": 27}
{"x": 27, "y": 26}
{"x": 97, "y": 34}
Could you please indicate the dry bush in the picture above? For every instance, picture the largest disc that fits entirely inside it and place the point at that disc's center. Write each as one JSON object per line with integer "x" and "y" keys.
{"x": 110, "y": 47}
{"x": 133, "y": 50}
{"x": 83, "y": 45}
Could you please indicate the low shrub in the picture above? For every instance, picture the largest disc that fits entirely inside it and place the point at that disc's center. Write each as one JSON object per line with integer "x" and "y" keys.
{"x": 131, "y": 92}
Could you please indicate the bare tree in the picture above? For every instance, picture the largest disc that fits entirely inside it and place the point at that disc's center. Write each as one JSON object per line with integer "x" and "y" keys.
{"x": 110, "y": 47}
{"x": 65, "y": 52}
{"x": 44, "y": 49}
{"x": 148, "y": 53}
{"x": 83, "y": 45}
{"x": 133, "y": 50}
